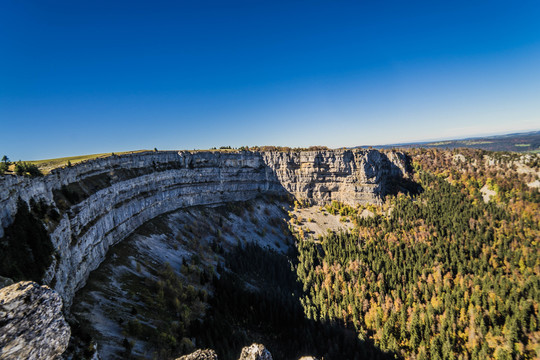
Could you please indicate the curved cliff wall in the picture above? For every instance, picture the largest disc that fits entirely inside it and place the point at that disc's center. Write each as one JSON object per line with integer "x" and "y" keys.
{"x": 102, "y": 201}
{"x": 350, "y": 176}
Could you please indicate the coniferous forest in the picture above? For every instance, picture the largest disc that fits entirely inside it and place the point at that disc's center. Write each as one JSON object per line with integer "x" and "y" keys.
{"x": 270, "y": 312}
{"x": 452, "y": 272}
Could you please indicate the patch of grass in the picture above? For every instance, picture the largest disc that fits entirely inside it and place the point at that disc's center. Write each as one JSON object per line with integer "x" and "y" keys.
{"x": 522, "y": 145}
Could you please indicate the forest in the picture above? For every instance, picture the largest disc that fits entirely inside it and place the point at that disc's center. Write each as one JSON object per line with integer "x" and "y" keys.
{"x": 449, "y": 273}
{"x": 269, "y": 311}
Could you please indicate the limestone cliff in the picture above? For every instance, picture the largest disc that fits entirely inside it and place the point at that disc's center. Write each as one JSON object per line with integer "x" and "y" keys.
{"x": 353, "y": 177}
{"x": 102, "y": 201}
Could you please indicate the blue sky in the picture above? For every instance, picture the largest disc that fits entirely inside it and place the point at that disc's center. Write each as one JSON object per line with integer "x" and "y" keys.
{"x": 79, "y": 77}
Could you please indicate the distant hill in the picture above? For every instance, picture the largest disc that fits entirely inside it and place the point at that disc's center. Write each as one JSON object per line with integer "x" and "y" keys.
{"x": 518, "y": 142}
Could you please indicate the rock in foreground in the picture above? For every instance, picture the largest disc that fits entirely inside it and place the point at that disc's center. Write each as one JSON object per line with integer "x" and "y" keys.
{"x": 252, "y": 352}
{"x": 31, "y": 322}
{"x": 200, "y": 355}
{"x": 255, "y": 352}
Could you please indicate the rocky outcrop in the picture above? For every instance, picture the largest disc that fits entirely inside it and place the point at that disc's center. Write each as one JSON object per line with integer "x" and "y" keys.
{"x": 200, "y": 355}
{"x": 252, "y": 352}
{"x": 101, "y": 202}
{"x": 255, "y": 352}
{"x": 31, "y": 322}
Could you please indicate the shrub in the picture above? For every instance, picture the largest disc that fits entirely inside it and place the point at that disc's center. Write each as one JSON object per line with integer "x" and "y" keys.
{"x": 26, "y": 169}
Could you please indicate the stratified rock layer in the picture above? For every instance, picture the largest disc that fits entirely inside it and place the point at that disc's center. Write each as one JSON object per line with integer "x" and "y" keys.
{"x": 104, "y": 200}
{"x": 31, "y": 322}
{"x": 350, "y": 176}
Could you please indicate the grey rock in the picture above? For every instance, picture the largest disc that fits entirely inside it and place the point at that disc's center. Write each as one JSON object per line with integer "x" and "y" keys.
{"x": 252, "y": 352}
{"x": 255, "y": 352}
{"x": 31, "y": 322}
{"x": 200, "y": 355}
{"x": 350, "y": 176}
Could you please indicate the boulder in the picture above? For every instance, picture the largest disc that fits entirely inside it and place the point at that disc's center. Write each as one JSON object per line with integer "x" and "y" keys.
{"x": 200, "y": 355}
{"x": 255, "y": 352}
{"x": 31, "y": 322}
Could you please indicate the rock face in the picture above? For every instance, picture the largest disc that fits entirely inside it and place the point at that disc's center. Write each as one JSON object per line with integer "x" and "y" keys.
{"x": 31, "y": 322}
{"x": 353, "y": 177}
{"x": 255, "y": 352}
{"x": 102, "y": 201}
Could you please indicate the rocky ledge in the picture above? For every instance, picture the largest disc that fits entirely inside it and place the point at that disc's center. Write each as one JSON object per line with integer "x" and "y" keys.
{"x": 31, "y": 322}
{"x": 252, "y": 352}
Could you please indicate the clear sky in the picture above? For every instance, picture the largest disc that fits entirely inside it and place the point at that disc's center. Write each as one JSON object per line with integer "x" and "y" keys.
{"x": 91, "y": 76}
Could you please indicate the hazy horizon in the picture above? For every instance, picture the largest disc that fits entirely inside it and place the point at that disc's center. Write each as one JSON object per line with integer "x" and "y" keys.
{"x": 421, "y": 141}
